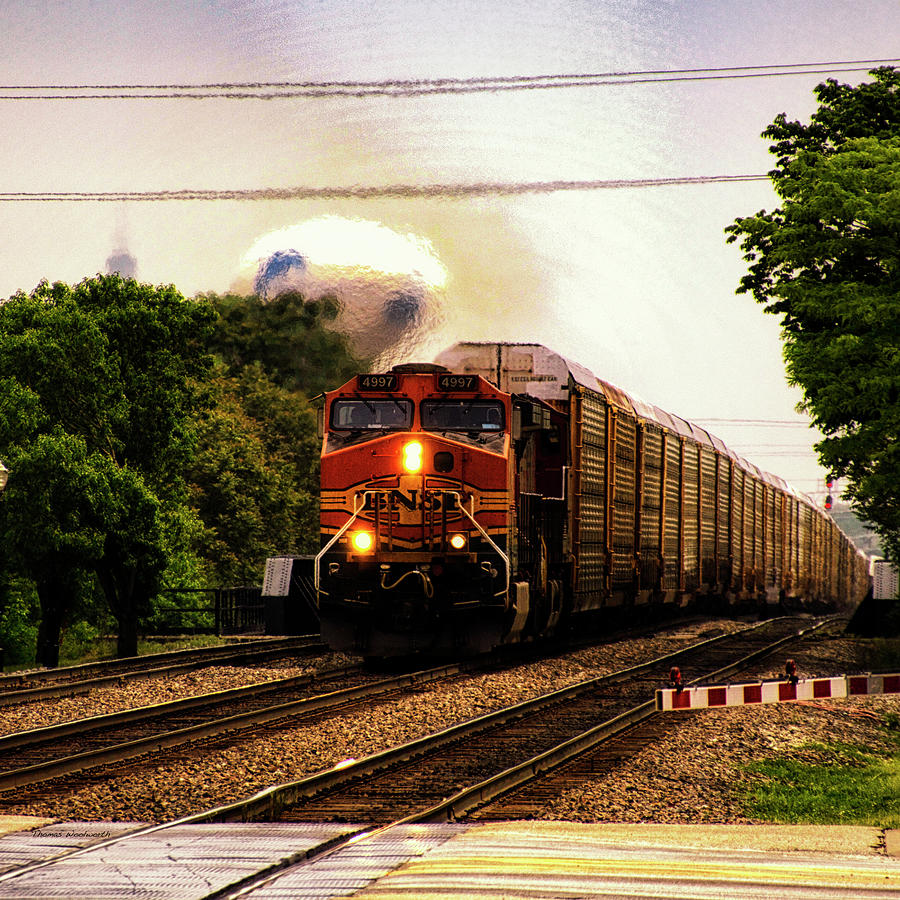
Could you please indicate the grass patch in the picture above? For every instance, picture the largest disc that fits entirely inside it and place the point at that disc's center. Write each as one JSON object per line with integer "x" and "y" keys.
{"x": 103, "y": 648}
{"x": 77, "y": 649}
{"x": 829, "y": 784}
{"x": 883, "y": 655}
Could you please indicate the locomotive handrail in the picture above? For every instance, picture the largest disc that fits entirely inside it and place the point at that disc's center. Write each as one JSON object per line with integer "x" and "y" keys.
{"x": 336, "y": 538}
{"x": 358, "y": 509}
{"x": 484, "y": 534}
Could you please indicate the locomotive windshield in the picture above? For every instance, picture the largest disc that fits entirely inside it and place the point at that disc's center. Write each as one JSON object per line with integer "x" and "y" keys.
{"x": 479, "y": 422}
{"x": 355, "y": 421}
{"x": 462, "y": 415}
{"x": 368, "y": 415}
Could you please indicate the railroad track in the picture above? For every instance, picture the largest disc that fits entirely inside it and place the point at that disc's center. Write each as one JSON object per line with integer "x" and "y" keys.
{"x": 405, "y": 799}
{"x": 68, "y": 748}
{"x": 79, "y": 750}
{"x": 473, "y": 762}
{"x": 47, "y": 684}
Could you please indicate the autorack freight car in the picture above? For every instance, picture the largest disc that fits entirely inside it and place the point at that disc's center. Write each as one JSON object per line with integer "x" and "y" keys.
{"x": 504, "y": 490}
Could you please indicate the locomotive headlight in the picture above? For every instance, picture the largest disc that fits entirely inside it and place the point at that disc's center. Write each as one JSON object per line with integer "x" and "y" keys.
{"x": 412, "y": 456}
{"x": 458, "y": 541}
{"x": 362, "y": 541}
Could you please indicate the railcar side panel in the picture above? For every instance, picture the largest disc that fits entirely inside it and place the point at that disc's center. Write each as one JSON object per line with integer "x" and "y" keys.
{"x": 759, "y": 564}
{"x": 588, "y": 521}
{"x": 724, "y": 523}
{"x": 691, "y": 478}
{"x": 738, "y": 531}
{"x": 651, "y": 511}
{"x": 775, "y": 532}
{"x": 708, "y": 503}
{"x": 624, "y": 505}
{"x": 673, "y": 548}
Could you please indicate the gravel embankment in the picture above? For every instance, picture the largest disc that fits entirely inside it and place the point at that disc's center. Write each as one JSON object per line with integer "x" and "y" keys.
{"x": 146, "y": 692}
{"x": 682, "y": 778}
{"x": 692, "y": 775}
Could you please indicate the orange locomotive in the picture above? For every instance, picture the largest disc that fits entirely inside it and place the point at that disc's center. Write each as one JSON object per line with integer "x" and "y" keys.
{"x": 487, "y": 499}
{"x": 415, "y": 512}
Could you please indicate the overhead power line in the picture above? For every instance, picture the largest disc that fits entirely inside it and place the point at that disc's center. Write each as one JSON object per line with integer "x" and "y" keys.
{"x": 396, "y": 191}
{"x": 756, "y": 423}
{"x": 273, "y": 90}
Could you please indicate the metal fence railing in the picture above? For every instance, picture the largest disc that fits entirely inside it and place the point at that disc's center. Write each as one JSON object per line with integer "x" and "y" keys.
{"x": 235, "y": 610}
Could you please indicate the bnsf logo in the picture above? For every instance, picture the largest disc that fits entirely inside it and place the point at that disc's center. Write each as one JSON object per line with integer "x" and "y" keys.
{"x": 414, "y": 499}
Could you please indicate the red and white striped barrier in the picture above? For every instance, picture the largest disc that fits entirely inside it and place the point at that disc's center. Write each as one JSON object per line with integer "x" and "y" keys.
{"x": 776, "y": 691}
{"x": 858, "y": 685}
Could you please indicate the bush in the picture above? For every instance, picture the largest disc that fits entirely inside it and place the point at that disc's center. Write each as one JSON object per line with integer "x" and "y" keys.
{"x": 80, "y": 643}
{"x": 19, "y": 616}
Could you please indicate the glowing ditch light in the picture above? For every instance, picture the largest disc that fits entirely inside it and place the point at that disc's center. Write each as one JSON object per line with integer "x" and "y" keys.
{"x": 412, "y": 456}
{"x": 458, "y": 541}
{"x": 363, "y": 541}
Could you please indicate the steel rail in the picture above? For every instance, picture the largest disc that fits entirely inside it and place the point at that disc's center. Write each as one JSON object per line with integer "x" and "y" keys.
{"x": 77, "y": 762}
{"x": 244, "y": 810}
{"x": 467, "y": 800}
{"x": 118, "y": 671}
{"x": 21, "y": 739}
{"x": 270, "y": 802}
{"x": 107, "y": 665}
{"x": 477, "y": 795}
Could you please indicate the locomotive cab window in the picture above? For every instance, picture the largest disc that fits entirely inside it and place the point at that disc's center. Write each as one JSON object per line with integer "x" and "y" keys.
{"x": 357, "y": 420}
{"x": 355, "y": 415}
{"x": 462, "y": 415}
{"x": 481, "y": 422}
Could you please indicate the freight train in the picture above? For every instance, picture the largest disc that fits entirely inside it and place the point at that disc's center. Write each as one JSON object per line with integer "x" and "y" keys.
{"x": 505, "y": 492}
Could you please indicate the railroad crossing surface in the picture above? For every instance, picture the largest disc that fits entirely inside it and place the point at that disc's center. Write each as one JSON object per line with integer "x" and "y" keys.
{"x": 511, "y": 859}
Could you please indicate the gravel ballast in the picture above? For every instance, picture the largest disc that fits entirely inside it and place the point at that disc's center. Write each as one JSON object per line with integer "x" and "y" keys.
{"x": 161, "y": 689}
{"x": 688, "y": 776}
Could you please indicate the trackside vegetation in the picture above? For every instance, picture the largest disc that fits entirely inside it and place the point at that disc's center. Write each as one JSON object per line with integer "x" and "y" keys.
{"x": 154, "y": 442}
{"x": 827, "y": 263}
{"x": 829, "y": 784}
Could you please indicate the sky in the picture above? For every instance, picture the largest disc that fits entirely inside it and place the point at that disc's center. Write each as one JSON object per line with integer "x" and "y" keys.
{"x": 637, "y": 284}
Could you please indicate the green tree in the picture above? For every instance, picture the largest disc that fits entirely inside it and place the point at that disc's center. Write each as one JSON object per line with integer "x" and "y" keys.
{"x": 53, "y": 529}
{"x": 254, "y": 477}
{"x": 288, "y": 336}
{"x": 100, "y": 390}
{"x": 827, "y": 261}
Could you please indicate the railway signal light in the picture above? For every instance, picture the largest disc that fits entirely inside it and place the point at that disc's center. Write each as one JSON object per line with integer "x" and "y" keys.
{"x": 676, "y": 680}
{"x": 828, "y": 502}
{"x": 790, "y": 669}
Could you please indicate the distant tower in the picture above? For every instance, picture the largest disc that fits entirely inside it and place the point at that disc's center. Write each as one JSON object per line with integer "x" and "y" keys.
{"x": 120, "y": 260}
{"x": 123, "y": 262}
